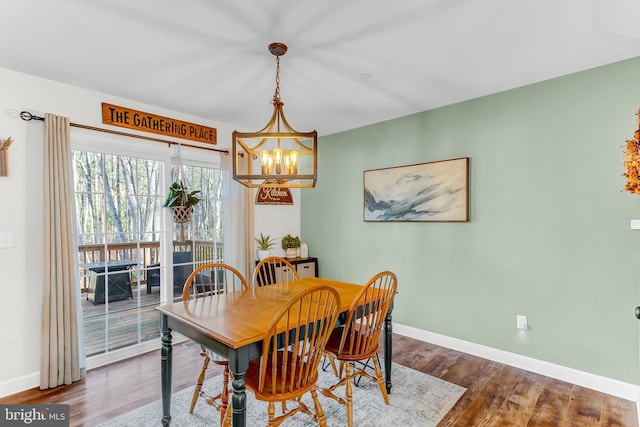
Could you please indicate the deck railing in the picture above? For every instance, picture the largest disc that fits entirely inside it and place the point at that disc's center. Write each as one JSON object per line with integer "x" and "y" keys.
{"x": 145, "y": 252}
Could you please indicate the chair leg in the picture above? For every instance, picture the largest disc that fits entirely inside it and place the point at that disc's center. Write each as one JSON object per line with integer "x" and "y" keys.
{"x": 272, "y": 413}
{"x": 379, "y": 376}
{"x": 196, "y": 392}
{"x": 227, "y": 417}
{"x": 332, "y": 361}
{"x": 349, "y": 396}
{"x": 322, "y": 421}
{"x": 224, "y": 397}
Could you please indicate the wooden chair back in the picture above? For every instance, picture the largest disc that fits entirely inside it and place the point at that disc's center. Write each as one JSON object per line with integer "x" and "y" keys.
{"x": 272, "y": 270}
{"x": 294, "y": 343}
{"x": 213, "y": 279}
{"x": 365, "y": 318}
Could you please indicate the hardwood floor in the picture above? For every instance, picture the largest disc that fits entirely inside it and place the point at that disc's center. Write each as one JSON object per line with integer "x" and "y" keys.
{"x": 497, "y": 395}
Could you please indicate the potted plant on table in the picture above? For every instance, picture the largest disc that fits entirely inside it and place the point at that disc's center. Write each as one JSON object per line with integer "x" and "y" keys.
{"x": 264, "y": 244}
{"x": 291, "y": 244}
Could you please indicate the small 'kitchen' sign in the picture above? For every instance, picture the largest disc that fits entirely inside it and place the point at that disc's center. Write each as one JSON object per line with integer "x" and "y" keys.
{"x": 274, "y": 196}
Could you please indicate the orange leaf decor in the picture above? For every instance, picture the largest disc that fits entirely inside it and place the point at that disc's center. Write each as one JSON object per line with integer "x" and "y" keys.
{"x": 632, "y": 162}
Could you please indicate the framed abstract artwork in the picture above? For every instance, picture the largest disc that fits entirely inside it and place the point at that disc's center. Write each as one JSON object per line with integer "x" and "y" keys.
{"x": 434, "y": 191}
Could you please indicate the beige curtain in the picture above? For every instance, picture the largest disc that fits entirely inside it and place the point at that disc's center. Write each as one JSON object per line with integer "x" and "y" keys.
{"x": 239, "y": 245}
{"x": 250, "y": 244}
{"x": 61, "y": 337}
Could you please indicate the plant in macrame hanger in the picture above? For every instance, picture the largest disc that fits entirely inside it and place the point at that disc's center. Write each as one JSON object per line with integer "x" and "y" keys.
{"x": 632, "y": 161}
{"x": 180, "y": 199}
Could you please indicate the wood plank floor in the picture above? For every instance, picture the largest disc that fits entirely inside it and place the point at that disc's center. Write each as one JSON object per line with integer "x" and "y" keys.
{"x": 497, "y": 395}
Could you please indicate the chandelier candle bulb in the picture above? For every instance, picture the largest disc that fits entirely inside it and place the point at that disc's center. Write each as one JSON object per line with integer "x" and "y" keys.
{"x": 293, "y": 155}
{"x": 277, "y": 157}
{"x": 264, "y": 154}
{"x": 287, "y": 164}
{"x": 269, "y": 164}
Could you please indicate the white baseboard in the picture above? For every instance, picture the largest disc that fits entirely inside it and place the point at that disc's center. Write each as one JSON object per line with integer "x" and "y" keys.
{"x": 584, "y": 379}
{"x": 16, "y": 385}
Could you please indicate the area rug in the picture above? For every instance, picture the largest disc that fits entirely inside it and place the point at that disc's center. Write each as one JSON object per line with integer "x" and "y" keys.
{"x": 416, "y": 399}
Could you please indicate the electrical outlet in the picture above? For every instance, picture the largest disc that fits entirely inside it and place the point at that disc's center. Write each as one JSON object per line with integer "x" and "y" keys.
{"x": 521, "y": 321}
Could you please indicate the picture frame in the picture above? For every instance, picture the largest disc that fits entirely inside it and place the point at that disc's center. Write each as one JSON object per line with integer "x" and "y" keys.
{"x": 426, "y": 192}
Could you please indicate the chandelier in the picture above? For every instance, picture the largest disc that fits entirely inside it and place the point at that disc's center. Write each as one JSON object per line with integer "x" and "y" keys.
{"x": 277, "y": 155}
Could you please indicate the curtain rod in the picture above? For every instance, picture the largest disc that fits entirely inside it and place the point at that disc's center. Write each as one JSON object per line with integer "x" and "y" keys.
{"x": 27, "y": 116}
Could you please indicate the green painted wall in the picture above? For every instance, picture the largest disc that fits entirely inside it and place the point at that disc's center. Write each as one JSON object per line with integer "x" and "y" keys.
{"x": 549, "y": 235}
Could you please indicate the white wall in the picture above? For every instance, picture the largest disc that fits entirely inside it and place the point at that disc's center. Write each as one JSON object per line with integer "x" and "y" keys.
{"x": 278, "y": 220}
{"x": 21, "y": 265}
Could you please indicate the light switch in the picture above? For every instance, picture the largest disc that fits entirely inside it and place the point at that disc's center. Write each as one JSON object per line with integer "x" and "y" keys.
{"x": 635, "y": 224}
{"x": 6, "y": 240}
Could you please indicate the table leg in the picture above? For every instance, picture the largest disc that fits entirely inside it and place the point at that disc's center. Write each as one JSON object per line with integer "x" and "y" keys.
{"x": 238, "y": 365}
{"x": 165, "y": 371}
{"x": 388, "y": 349}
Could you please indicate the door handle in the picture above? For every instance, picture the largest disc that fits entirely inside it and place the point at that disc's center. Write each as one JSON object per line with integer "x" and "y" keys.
{"x": 637, "y": 312}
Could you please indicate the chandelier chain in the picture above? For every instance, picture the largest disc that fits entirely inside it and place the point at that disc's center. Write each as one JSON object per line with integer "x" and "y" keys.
{"x": 276, "y": 94}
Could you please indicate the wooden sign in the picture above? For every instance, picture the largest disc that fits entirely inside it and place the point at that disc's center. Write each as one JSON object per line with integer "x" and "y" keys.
{"x": 147, "y": 122}
{"x": 274, "y": 196}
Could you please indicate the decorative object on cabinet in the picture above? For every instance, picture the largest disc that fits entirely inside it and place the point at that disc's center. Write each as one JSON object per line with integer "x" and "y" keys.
{"x": 277, "y": 155}
{"x": 264, "y": 244}
{"x": 4, "y": 156}
{"x": 434, "y": 191}
{"x": 304, "y": 250}
{"x": 632, "y": 161}
{"x": 291, "y": 244}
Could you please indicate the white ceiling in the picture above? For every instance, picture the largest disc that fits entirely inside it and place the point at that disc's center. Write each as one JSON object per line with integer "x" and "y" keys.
{"x": 350, "y": 62}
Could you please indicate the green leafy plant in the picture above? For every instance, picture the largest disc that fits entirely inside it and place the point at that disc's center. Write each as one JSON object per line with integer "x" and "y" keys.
{"x": 265, "y": 242}
{"x": 179, "y": 195}
{"x": 289, "y": 242}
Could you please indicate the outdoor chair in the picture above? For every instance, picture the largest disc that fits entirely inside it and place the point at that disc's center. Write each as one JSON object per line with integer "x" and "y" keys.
{"x": 182, "y": 267}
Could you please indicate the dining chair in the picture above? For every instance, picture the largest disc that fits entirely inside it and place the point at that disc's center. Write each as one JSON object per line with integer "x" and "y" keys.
{"x": 357, "y": 339}
{"x": 272, "y": 270}
{"x": 292, "y": 348}
{"x": 213, "y": 279}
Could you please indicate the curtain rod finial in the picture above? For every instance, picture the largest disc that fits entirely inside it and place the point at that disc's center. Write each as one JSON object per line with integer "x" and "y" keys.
{"x": 27, "y": 116}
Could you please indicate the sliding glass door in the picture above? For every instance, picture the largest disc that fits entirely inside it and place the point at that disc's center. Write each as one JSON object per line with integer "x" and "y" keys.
{"x": 130, "y": 254}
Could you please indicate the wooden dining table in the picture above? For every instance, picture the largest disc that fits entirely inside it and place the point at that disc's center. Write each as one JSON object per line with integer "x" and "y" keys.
{"x": 234, "y": 324}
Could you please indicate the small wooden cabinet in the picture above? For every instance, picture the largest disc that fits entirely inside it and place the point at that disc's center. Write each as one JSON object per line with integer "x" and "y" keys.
{"x": 306, "y": 267}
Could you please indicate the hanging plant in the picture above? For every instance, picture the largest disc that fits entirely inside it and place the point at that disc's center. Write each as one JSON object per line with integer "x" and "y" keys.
{"x": 181, "y": 201}
{"x": 632, "y": 162}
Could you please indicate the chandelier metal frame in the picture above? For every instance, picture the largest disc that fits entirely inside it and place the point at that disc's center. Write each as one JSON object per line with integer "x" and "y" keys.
{"x": 275, "y": 155}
